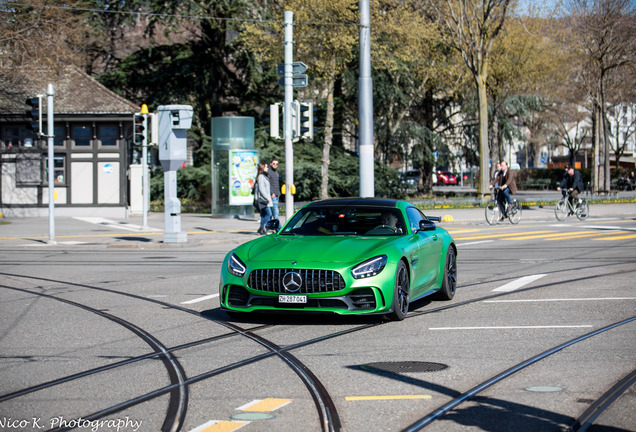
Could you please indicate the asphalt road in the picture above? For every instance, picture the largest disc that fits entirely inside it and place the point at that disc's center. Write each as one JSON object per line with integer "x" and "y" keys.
{"x": 133, "y": 336}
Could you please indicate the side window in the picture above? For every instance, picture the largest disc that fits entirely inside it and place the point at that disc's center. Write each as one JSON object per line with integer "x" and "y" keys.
{"x": 415, "y": 216}
{"x": 82, "y": 135}
{"x": 108, "y": 135}
{"x": 59, "y": 170}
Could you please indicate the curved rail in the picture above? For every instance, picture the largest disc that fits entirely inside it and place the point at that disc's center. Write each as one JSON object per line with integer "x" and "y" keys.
{"x": 420, "y": 424}
{"x": 179, "y": 392}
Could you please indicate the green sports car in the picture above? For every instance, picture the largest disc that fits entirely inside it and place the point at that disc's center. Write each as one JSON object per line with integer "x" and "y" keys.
{"x": 344, "y": 256}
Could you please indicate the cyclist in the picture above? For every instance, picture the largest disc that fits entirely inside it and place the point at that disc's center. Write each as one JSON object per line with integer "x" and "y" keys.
{"x": 572, "y": 183}
{"x": 508, "y": 185}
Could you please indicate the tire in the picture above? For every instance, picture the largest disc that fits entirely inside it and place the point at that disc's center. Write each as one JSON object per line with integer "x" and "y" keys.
{"x": 400, "y": 293}
{"x": 449, "y": 282}
{"x": 492, "y": 213}
{"x": 515, "y": 213}
{"x": 561, "y": 210}
{"x": 583, "y": 210}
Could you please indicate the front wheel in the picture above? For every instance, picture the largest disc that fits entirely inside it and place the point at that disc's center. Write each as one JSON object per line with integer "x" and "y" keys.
{"x": 449, "y": 283}
{"x": 400, "y": 293}
{"x": 561, "y": 210}
{"x": 583, "y": 210}
{"x": 515, "y": 213}
{"x": 492, "y": 213}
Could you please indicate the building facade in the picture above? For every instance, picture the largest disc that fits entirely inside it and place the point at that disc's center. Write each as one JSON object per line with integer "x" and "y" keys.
{"x": 93, "y": 130}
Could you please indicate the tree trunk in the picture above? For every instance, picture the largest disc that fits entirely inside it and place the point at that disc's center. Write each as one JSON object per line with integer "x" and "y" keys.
{"x": 496, "y": 153}
{"x": 595, "y": 177}
{"x": 484, "y": 176}
{"x": 324, "y": 183}
{"x": 603, "y": 135}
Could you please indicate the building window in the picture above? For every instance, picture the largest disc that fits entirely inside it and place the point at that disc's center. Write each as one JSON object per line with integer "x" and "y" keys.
{"x": 59, "y": 170}
{"x": 16, "y": 136}
{"x": 60, "y": 135}
{"x": 108, "y": 135}
{"x": 82, "y": 135}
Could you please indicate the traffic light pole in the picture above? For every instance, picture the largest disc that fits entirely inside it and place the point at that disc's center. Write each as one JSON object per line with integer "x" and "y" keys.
{"x": 145, "y": 186}
{"x": 289, "y": 97}
{"x": 51, "y": 168}
{"x": 365, "y": 105}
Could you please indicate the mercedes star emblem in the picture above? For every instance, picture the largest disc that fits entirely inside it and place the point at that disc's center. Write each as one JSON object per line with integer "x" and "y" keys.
{"x": 292, "y": 281}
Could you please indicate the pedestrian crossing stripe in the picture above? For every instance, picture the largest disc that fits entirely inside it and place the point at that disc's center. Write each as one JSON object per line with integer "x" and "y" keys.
{"x": 574, "y": 237}
{"x": 220, "y": 426}
{"x": 264, "y": 405}
{"x": 460, "y": 231}
{"x": 556, "y": 234}
{"x": 619, "y": 237}
{"x": 488, "y": 236}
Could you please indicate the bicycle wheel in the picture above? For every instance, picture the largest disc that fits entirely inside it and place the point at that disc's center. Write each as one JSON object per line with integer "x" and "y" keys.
{"x": 515, "y": 213}
{"x": 583, "y": 210}
{"x": 492, "y": 213}
{"x": 561, "y": 210}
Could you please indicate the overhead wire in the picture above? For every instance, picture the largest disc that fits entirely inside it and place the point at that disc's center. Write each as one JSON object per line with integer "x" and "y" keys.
{"x": 178, "y": 16}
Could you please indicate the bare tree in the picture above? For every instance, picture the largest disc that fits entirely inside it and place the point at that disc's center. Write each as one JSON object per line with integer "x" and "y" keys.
{"x": 568, "y": 120}
{"x": 471, "y": 28}
{"x": 607, "y": 40}
{"x": 38, "y": 34}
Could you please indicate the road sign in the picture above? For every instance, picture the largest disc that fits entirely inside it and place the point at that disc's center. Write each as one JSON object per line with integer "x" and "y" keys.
{"x": 298, "y": 81}
{"x": 298, "y": 68}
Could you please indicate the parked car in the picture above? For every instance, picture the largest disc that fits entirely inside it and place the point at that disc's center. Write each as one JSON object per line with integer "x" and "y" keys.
{"x": 446, "y": 178}
{"x": 346, "y": 256}
{"x": 410, "y": 178}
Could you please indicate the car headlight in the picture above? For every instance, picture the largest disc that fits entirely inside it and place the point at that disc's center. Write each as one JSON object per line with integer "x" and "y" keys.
{"x": 369, "y": 267}
{"x": 236, "y": 266}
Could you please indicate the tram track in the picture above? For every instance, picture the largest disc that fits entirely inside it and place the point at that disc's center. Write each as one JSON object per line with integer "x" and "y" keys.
{"x": 470, "y": 394}
{"x": 326, "y": 408}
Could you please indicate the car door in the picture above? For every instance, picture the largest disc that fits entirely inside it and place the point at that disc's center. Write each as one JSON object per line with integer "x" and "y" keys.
{"x": 427, "y": 255}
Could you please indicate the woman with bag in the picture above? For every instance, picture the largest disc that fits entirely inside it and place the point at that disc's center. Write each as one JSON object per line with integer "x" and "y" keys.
{"x": 263, "y": 196}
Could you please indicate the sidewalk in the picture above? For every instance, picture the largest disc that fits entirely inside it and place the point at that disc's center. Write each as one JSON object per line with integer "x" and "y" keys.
{"x": 203, "y": 229}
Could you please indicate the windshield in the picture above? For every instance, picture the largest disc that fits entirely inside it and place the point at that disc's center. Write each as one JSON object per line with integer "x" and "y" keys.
{"x": 346, "y": 220}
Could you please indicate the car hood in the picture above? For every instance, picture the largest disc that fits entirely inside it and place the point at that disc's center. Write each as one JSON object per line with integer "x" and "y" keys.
{"x": 333, "y": 249}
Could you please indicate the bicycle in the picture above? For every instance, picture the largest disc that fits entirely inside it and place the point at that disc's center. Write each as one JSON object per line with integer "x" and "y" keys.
{"x": 493, "y": 214}
{"x": 564, "y": 208}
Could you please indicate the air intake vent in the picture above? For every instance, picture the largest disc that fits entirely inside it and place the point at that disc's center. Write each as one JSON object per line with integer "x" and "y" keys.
{"x": 310, "y": 281}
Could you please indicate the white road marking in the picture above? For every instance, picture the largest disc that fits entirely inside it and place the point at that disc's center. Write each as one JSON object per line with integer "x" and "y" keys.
{"x": 114, "y": 224}
{"x": 607, "y": 228}
{"x": 560, "y": 300}
{"x": 472, "y": 243}
{"x": 509, "y": 327}
{"x": 200, "y": 299}
{"x": 518, "y": 283}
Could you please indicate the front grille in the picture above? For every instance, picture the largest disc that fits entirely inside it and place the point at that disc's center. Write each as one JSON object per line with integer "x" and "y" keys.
{"x": 313, "y": 281}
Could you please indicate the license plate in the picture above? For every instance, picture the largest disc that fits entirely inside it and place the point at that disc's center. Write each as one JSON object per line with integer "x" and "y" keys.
{"x": 293, "y": 299}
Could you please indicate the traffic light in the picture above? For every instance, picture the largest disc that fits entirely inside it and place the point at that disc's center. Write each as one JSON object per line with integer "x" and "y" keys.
{"x": 140, "y": 132}
{"x": 273, "y": 119}
{"x": 295, "y": 120}
{"x": 306, "y": 128}
{"x": 34, "y": 114}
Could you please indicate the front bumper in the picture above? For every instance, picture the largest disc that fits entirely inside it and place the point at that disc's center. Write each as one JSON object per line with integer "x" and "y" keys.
{"x": 359, "y": 300}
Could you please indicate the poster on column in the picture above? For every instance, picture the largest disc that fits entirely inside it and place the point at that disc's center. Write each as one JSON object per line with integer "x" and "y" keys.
{"x": 243, "y": 169}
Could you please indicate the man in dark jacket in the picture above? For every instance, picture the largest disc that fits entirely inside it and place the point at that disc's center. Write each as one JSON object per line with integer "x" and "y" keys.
{"x": 573, "y": 183}
{"x": 274, "y": 186}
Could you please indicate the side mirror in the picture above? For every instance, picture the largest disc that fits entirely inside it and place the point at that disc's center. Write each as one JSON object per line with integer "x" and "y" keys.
{"x": 272, "y": 225}
{"x": 427, "y": 225}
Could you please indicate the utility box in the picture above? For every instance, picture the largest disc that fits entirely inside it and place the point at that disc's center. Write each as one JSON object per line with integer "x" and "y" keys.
{"x": 174, "y": 121}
